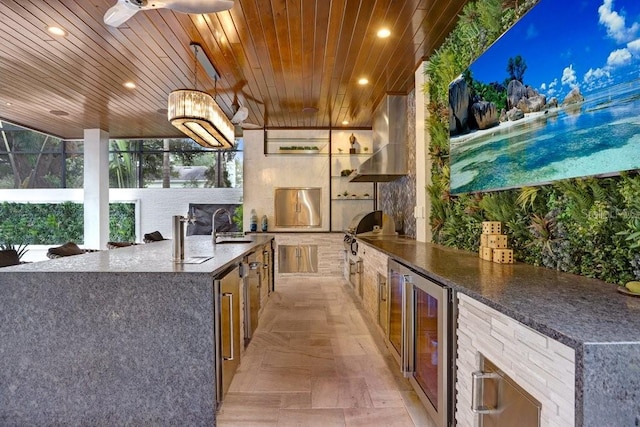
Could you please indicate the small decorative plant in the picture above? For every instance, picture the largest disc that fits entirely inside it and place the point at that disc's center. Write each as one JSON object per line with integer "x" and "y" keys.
{"x": 20, "y": 249}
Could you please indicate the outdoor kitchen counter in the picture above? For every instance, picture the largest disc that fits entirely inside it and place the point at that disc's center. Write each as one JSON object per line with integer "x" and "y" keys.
{"x": 588, "y": 315}
{"x": 120, "y": 337}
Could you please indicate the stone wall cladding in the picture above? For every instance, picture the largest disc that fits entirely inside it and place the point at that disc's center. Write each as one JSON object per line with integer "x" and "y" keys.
{"x": 542, "y": 366}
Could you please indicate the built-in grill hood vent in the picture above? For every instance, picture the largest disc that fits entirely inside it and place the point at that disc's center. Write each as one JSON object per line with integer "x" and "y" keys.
{"x": 389, "y": 127}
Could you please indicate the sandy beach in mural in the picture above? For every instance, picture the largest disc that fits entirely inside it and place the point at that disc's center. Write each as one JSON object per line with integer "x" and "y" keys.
{"x": 600, "y": 136}
{"x": 595, "y": 133}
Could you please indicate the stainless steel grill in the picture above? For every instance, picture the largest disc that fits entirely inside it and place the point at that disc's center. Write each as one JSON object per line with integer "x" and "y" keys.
{"x": 374, "y": 223}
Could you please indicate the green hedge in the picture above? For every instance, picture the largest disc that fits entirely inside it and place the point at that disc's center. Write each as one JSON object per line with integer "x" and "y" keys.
{"x": 586, "y": 226}
{"x": 56, "y": 223}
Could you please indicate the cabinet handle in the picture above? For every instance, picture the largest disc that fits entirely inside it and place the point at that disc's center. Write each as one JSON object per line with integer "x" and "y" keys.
{"x": 477, "y": 392}
{"x": 383, "y": 291}
{"x": 231, "y": 326}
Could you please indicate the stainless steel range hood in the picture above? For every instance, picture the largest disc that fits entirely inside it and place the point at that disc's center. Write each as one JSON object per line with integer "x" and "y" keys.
{"x": 389, "y": 162}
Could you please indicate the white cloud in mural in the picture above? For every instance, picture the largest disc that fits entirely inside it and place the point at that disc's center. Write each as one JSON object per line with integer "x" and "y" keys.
{"x": 596, "y": 74}
{"x": 569, "y": 76}
{"x": 543, "y": 86}
{"x": 618, "y": 58}
{"x": 597, "y": 78}
{"x": 634, "y": 47}
{"x": 616, "y": 24}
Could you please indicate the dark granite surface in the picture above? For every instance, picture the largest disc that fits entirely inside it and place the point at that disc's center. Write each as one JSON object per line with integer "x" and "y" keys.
{"x": 571, "y": 309}
{"x": 599, "y": 323}
{"x": 151, "y": 257}
{"x": 118, "y": 337}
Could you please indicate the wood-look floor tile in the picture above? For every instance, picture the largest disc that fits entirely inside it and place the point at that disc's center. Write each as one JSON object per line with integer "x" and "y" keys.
{"x": 386, "y": 399}
{"x": 335, "y": 392}
{"x": 359, "y": 366}
{"x": 287, "y": 357}
{"x": 367, "y": 417}
{"x": 246, "y": 415}
{"x": 311, "y": 418}
{"x": 295, "y": 400}
{"x": 315, "y": 361}
{"x": 282, "y": 379}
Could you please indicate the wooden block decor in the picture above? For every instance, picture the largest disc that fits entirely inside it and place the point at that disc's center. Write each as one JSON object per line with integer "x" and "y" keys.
{"x": 486, "y": 254}
{"x": 496, "y": 241}
{"x": 503, "y": 256}
{"x": 484, "y": 241}
{"x": 491, "y": 227}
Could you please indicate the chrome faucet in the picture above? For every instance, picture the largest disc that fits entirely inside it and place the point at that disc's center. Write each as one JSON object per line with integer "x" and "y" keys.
{"x": 214, "y": 233}
{"x": 178, "y": 235}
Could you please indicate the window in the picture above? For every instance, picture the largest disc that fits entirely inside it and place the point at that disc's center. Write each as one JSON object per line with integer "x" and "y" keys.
{"x": 31, "y": 159}
{"x": 173, "y": 163}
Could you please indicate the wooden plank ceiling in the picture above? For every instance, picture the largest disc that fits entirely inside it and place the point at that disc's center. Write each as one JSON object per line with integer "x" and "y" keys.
{"x": 279, "y": 58}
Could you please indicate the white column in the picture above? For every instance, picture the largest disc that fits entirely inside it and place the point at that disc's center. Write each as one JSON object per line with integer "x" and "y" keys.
{"x": 423, "y": 162}
{"x": 96, "y": 188}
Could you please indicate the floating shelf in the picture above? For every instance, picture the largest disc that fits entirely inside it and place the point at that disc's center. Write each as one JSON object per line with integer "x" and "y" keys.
{"x": 296, "y": 146}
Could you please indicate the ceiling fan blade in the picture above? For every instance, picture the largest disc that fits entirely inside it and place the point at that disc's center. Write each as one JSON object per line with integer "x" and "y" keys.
{"x": 240, "y": 115}
{"x": 119, "y": 13}
{"x": 199, "y": 6}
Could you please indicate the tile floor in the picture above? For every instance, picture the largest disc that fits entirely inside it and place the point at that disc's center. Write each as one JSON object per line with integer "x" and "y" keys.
{"x": 315, "y": 361}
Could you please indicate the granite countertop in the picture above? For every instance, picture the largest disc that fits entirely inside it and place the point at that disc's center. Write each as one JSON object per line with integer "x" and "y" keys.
{"x": 153, "y": 257}
{"x": 572, "y": 309}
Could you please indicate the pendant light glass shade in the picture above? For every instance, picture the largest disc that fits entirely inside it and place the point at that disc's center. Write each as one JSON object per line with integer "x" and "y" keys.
{"x": 197, "y": 115}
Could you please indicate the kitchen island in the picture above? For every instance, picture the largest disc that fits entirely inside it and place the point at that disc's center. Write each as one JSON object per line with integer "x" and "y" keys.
{"x": 116, "y": 337}
{"x": 594, "y": 329}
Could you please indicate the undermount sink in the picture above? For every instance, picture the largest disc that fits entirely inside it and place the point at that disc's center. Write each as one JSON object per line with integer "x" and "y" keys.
{"x": 232, "y": 240}
{"x": 231, "y": 237}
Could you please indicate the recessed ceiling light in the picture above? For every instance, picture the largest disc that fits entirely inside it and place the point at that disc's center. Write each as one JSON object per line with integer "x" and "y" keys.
{"x": 129, "y": 85}
{"x": 8, "y": 104}
{"x": 363, "y": 81}
{"x": 59, "y": 113}
{"x": 345, "y": 122}
{"x": 56, "y": 31}
{"x": 383, "y": 33}
{"x": 309, "y": 110}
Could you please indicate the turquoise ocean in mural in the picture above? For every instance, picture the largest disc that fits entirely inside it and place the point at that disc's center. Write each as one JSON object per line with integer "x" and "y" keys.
{"x": 586, "y": 47}
{"x": 599, "y": 136}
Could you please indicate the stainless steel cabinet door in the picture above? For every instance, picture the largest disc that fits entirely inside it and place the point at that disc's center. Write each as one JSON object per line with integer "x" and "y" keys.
{"x": 297, "y": 207}
{"x": 298, "y": 258}
{"x": 288, "y": 258}
{"x": 308, "y": 259}
{"x": 500, "y": 401}
{"x": 227, "y": 329}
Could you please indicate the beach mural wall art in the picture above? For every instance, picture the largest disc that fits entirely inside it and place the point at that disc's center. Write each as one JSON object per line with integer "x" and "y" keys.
{"x": 556, "y": 97}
